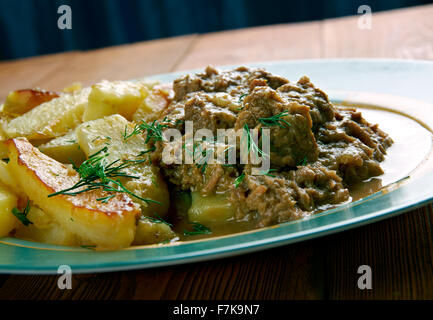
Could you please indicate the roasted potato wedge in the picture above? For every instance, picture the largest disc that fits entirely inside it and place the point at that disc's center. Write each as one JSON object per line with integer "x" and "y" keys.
{"x": 50, "y": 119}
{"x": 44, "y": 229}
{"x": 149, "y": 232}
{"x": 210, "y": 209}
{"x": 118, "y": 97}
{"x": 64, "y": 149}
{"x": 21, "y": 101}
{"x": 155, "y": 102}
{"x": 8, "y": 201}
{"x": 108, "y": 225}
{"x": 7, "y": 178}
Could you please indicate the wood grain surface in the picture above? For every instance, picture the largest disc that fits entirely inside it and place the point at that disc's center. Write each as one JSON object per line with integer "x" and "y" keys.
{"x": 399, "y": 250}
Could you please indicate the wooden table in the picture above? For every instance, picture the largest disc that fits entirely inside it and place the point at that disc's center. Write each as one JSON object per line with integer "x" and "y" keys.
{"x": 399, "y": 250}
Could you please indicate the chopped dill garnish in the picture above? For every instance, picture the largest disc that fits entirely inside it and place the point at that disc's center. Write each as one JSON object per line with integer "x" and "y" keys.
{"x": 241, "y": 100}
{"x": 198, "y": 228}
{"x": 88, "y": 246}
{"x": 303, "y": 162}
{"x": 251, "y": 145}
{"x": 135, "y": 131}
{"x": 22, "y": 215}
{"x": 106, "y": 199}
{"x": 158, "y": 219}
{"x": 276, "y": 120}
{"x": 95, "y": 173}
{"x": 239, "y": 180}
{"x": 268, "y": 173}
{"x": 154, "y": 182}
{"x": 153, "y": 130}
{"x": 71, "y": 141}
{"x": 241, "y": 97}
{"x": 142, "y": 153}
{"x": 199, "y": 156}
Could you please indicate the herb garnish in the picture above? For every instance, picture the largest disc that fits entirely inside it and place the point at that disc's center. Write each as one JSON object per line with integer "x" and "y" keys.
{"x": 251, "y": 145}
{"x": 241, "y": 100}
{"x": 303, "y": 162}
{"x": 198, "y": 228}
{"x": 158, "y": 219}
{"x": 200, "y": 157}
{"x": 88, "y": 246}
{"x": 268, "y": 173}
{"x": 22, "y": 215}
{"x": 276, "y": 120}
{"x": 95, "y": 174}
{"x": 239, "y": 180}
{"x": 142, "y": 153}
{"x": 152, "y": 130}
{"x": 201, "y": 163}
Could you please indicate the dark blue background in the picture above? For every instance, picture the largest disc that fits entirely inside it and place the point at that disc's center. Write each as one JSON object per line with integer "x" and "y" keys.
{"x": 29, "y": 27}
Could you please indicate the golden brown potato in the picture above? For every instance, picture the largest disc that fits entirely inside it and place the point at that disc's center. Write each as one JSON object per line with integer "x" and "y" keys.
{"x": 149, "y": 232}
{"x": 110, "y": 224}
{"x": 44, "y": 229}
{"x": 50, "y": 119}
{"x": 21, "y": 101}
{"x": 8, "y": 201}
{"x": 64, "y": 149}
{"x": 155, "y": 102}
{"x": 118, "y": 97}
{"x": 210, "y": 209}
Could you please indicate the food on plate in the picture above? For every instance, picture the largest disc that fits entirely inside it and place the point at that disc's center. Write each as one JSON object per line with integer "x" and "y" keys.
{"x": 49, "y": 119}
{"x": 138, "y": 162}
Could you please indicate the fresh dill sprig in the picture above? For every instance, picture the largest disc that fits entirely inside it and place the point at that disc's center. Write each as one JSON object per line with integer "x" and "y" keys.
{"x": 198, "y": 228}
{"x": 303, "y": 162}
{"x": 142, "y": 153}
{"x": 202, "y": 162}
{"x": 251, "y": 145}
{"x": 127, "y": 135}
{"x": 152, "y": 130}
{"x": 276, "y": 120}
{"x": 158, "y": 219}
{"x": 91, "y": 247}
{"x": 95, "y": 173}
{"x": 241, "y": 100}
{"x": 239, "y": 180}
{"x": 200, "y": 157}
{"x": 22, "y": 215}
{"x": 268, "y": 173}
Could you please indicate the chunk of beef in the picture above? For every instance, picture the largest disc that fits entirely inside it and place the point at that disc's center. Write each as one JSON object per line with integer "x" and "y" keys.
{"x": 352, "y": 146}
{"x": 289, "y": 195}
{"x": 235, "y": 82}
{"x": 292, "y": 139}
{"x": 305, "y": 93}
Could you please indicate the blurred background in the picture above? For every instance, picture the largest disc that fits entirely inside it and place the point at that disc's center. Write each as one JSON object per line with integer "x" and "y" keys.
{"x": 29, "y": 27}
